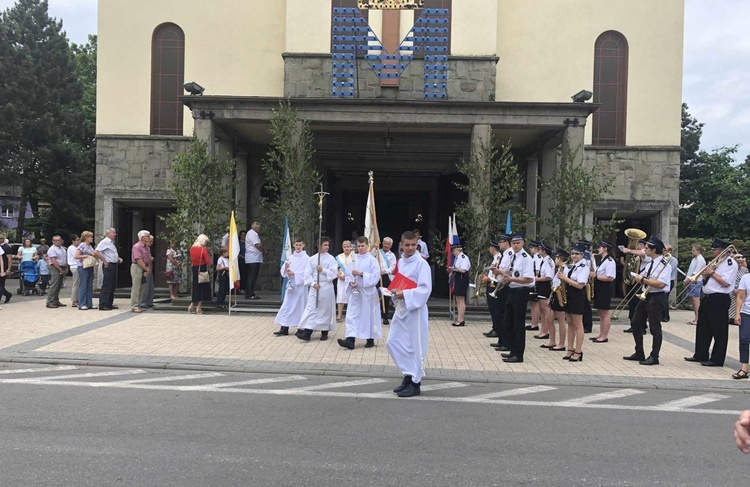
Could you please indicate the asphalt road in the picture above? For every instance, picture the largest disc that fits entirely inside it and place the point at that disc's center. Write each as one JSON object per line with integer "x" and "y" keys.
{"x": 157, "y": 428}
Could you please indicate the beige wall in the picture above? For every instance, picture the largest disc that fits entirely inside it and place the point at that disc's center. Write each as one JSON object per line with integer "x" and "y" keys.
{"x": 546, "y": 50}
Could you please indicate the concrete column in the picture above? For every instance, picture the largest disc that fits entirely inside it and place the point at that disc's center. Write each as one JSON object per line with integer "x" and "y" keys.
{"x": 206, "y": 131}
{"x": 532, "y": 192}
{"x": 573, "y": 144}
{"x": 240, "y": 196}
{"x": 548, "y": 166}
{"x": 480, "y": 134}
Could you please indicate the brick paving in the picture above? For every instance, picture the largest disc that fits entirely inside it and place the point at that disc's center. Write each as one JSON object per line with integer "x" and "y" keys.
{"x": 245, "y": 341}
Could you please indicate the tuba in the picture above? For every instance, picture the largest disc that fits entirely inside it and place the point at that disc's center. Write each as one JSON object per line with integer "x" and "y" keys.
{"x": 632, "y": 262}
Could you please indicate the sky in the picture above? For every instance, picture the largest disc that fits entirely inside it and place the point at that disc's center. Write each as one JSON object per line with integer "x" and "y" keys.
{"x": 716, "y": 62}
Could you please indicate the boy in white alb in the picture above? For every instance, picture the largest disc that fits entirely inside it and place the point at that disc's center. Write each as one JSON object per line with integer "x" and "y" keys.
{"x": 407, "y": 339}
{"x": 320, "y": 312}
{"x": 363, "y": 311}
{"x": 295, "y": 297}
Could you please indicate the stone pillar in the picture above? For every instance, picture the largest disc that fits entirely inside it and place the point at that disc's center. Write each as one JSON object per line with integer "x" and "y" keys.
{"x": 480, "y": 134}
{"x": 205, "y": 131}
{"x": 240, "y": 196}
{"x": 548, "y": 166}
{"x": 532, "y": 192}
{"x": 573, "y": 144}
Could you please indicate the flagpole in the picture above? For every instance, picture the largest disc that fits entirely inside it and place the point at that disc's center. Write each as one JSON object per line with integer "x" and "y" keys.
{"x": 375, "y": 218}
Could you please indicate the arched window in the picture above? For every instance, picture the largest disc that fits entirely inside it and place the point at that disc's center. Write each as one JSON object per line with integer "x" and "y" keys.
{"x": 167, "y": 78}
{"x": 610, "y": 88}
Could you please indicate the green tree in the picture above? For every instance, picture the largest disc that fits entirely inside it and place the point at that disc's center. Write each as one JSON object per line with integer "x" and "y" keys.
{"x": 202, "y": 189}
{"x": 38, "y": 82}
{"x": 493, "y": 182}
{"x": 292, "y": 178}
{"x": 572, "y": 191}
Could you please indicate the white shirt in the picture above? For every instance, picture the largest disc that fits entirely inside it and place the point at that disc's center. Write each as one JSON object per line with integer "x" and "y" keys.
{"x": 61, "y": 255}
{"x": 607, "y": 268}
{"x": 387, "y": 261}
{"x": 547, "y": 268}
{"x": 523, "y": 266}
{"x": 578, "y": 272}
{"x": 225, "y": 240}
{"x": 252, "y": 254}
{"x": 537, "y": 261}
{"x": 696, "y": 264}
{"x": 745, "y": 286}
{"x": 222, "y": 262}
{"x": 462, "y": 262}
{"x": 107, "y": 248}
{"x": 727, "y": 269}
{"x": 495, "y": 263}
{"x": 72, "y": 261}
{"x": 673, "y": 263}
{"x": 659, "y": 272}
{"x": 423, "y": 249}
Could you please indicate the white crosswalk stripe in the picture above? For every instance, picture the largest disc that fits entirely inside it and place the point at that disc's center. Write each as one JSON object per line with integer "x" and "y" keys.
{"x": 441, "y": 385}
{"x": 270, "y": 380}
{"x": 39, "y": 369}
{"x": 515, "y": 392}
{"x": 691, "y": 401}
{"x": 207, "y": 375}
{"x": 338, "y": 385}
{"x": 604, "y": 396}
{"x": 75, "y": 376}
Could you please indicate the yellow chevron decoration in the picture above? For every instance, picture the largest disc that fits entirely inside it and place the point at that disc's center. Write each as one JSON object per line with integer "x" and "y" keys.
{"x": 390, "y": 4}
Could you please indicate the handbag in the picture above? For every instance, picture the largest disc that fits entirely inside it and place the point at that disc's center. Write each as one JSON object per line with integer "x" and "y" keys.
{"x": 89, "y": 261}
{"x": 203, "y": 277}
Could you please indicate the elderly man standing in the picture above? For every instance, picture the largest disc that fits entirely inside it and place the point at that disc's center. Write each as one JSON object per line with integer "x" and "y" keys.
{"x": 254, "y": 253}
{"x": 58, "y": 260}
{"x": 110, "y": 259}
{"x": 140, "y": 258}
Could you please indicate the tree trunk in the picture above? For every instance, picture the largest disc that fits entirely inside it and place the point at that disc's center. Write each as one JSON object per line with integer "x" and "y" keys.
{"x": 22, "y": 213}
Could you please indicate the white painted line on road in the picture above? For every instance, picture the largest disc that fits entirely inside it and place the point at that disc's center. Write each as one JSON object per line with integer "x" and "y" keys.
{"x": 207, "y": 375}
{"x": 336, "y": 385}
{"x": 515, "y": 392}
{"x": 691, "y": 401}
{"x": 38, "y": 369}
{"x": 442, "y": 385}
{"x": 270, "y": 380}
{"x": 604, "y": 396}
{"x": 36, "y": 380}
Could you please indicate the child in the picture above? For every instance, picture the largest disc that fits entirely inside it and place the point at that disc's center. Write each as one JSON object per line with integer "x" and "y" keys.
{"x": 222, "y": 271}
{"x": 42, "y": 267}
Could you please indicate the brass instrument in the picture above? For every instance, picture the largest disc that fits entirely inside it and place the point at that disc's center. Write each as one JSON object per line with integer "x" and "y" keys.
{"x": 501, "y": 284}
{"x": 646, "y": 289}
{"x": 624, "y": 303}
{"x": 561, "y": 291}
{"x": 632, "y": 262}
{"x": 725, "y": 254}
{"x": 478, "y": 286}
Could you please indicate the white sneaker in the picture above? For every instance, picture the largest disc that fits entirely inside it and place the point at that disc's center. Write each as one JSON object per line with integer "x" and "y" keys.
{"x": 84, "y": 308}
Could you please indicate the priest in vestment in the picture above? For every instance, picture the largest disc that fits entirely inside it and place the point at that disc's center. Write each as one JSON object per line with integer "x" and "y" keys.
{"x": 407, "y": 339}
{"x": 295, "y": 296}
{"x": 320, "y": 312}
{"x": 363, "y": 310}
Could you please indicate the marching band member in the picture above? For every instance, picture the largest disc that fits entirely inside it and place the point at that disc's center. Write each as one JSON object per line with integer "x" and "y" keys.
{"x": 520, "y": 279}
{"x": 575, "y": 277}
{"x": 655, "y": 280}
{"x": 501, "y": 296}
{"x": 557, "y": 309}
{"x": 588, "y": 316}
{"x": 645, "y": 260}
{"x": 713, "y": 316}
{"x": 460, "y": 271}
{"x": 604, "y": 288}
{"x": 536, "y": 259}
{"x": 490, "y": 282}
{"x": 545, "y": 273}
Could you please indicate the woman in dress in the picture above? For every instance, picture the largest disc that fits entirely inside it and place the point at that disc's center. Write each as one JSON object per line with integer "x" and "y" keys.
{"x": 742, "y": 318}
{"x": 556, "y": 307}
{"x": 344, "y": 260}
{"x": 85, "y": 276}
{"x": 575, "y": 278}
{"x": 200, "y": 259}
{"x": 173, "y": 269}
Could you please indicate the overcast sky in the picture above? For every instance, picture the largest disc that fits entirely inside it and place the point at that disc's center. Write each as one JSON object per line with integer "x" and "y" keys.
{"x": 717, "y": 62}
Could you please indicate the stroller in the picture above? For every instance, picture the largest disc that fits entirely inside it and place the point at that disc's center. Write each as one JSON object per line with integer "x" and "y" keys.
{"x": 29, "y": 278}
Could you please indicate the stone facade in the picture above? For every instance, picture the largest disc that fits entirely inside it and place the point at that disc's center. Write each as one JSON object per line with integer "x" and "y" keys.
{"x": 470, "y": 78}
{"x": 646, "y": 179}
{"x": 131, "y": 167}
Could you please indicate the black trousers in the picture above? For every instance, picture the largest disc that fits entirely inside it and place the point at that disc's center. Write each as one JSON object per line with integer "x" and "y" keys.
{"x": 515, "y": 320}
{"x": 498, "y": 321}
{"x": 243, "y": 274}
{"x": 492, "y": 307}
{"x": 109, "y": 283}
{"x": 588, "y": 316}
{"x": 665, "y": 308}
{"x": 713, "y": 323}
{"x": 633, "y": 302}
{"x": 650, "y": 310}
{"x": 253, "y": 270}
{"x": 221, "y": 295}
{"x": 3, "y": 290}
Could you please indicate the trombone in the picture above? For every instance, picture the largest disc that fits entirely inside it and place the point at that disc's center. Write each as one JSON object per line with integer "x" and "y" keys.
{"x": 725, "y": 254}
{"x": 634, "y": 291}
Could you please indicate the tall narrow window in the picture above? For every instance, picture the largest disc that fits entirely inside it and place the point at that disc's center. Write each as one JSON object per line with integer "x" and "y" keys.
{"x": 167, "y": 78}
{"x": 610, "y": 88}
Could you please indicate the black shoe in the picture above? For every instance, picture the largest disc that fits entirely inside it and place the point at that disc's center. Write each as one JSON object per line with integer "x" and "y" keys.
{"x": 283, "y": 331}
{"x": 323, "y": 336}
{"x": 60, "y": 305}
{"x": 52, "y": 306}
{"x": 650, "y": 361}
{"x": 579, "y": 359}
{"x": 386, "y": 322}
{"x": 370, "y": 343}
{"x": 459, "y": 323}
{"x": 7, "y": 298}
{"x": 411, "y": 389}
{"x": 306, "y": 335}
{"x": 635, "y": 358}
{"x": 254, "y": 297}
{"x": 346, "y": 343}
{"x": 506, "y": 355}
{"x": 543, "y": 337}
{"x": 104, "y": 308}
{"x": 503, "y": 349}
{"x": 299, "y": 332}
{"x": 531, "y": 328}
{"x": 513, "y": 360}
{"x": 708, "y": 363}
{"x": 496, "y": 345}
{"x": 628, "y": 330}
{"x": 404, "y": 383}
{"x": 691, "y": 359}
{"x": 587, "y": 331}
{"x": 114, "y": 307}
{"x": 491, "y": 334}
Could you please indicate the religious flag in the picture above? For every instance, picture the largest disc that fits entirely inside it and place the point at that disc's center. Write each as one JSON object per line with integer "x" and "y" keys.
{"x": 507, "y": 224}
{"x": 371, "y": 219}
{"x": 234, "y": 252}
{"x": 286, "y": 254}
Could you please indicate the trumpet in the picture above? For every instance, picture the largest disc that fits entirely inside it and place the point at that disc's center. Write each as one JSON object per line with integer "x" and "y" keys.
{"x": 724, "y": 255}
{"x": 478, "y": 282}
{"x": 501, "y": 284}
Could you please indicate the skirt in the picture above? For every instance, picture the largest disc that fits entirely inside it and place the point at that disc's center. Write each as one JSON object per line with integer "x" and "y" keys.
{"x": 544, "y": 289}
{"x": 555, "y": 304}
{"x": 462, "y": 284}
{"x": 603, "y": 292}
{"x": 576, "y": 301}
{"x": 201, "y": 292}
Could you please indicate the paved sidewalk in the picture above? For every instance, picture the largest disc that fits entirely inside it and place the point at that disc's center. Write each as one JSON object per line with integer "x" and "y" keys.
{"x": 32, "y": 332}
